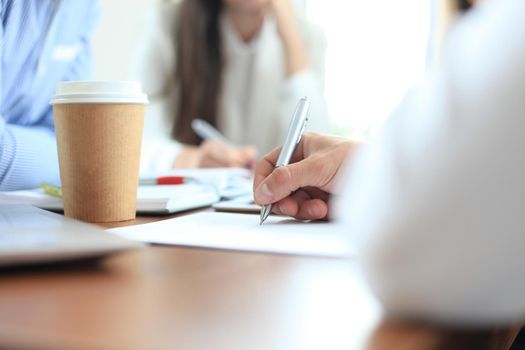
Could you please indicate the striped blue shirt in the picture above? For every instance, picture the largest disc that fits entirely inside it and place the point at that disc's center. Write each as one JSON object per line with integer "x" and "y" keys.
{"x": 41, "y": 43}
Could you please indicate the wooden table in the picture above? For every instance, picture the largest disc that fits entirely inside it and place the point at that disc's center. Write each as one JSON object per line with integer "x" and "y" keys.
{"x": 182, "y": 298}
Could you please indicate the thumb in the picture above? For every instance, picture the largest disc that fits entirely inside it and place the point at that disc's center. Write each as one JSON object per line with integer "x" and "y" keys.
{"x": 249, "y": 152}
{"x": 287, "y": 179}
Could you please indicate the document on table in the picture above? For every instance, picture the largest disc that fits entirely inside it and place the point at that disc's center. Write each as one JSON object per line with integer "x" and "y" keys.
{"x": 243, "y": 232}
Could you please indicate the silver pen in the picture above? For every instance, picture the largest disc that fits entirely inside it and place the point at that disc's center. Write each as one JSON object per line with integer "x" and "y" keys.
{"x": 206, "y": 132}
{"x": 293, "y": 137}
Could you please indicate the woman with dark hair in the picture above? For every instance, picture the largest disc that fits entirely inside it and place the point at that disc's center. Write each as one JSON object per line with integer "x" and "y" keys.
{"x": 241, "y": 65}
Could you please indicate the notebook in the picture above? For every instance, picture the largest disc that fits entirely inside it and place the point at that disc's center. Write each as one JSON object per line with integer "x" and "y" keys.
{"x": 159, "y": 200}
{"x": 229, "y": 182}
{"x": 243, "y": 204}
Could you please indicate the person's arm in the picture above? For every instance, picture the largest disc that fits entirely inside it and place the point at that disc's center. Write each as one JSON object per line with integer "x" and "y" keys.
{"x": 437, "y": 200}
{"x": 304, "y": 46}
{"x": 293, "y": 44}
{"x": 215, "y": 154}
{"x": 28, "y": 154}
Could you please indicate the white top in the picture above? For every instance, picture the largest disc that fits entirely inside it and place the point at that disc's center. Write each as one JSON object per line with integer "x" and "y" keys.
{"x": 257, "y": 99}
{"x": 438, "y": 199}
{"x": 111, "y": 91}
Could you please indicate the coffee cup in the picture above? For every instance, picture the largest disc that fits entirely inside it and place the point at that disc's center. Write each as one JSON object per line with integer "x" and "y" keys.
{"x": 99, "y": 127}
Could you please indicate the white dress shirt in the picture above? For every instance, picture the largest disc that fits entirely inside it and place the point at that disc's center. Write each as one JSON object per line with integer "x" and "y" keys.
{"x": 257, "y": 100}
{"x": 438, "y": 200}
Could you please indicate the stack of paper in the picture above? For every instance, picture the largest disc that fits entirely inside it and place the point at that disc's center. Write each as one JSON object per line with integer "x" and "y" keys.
{"x": 163, "y": 199}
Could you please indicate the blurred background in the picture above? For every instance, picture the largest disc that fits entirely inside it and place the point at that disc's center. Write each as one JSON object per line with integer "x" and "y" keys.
{"x": 376, "y": 51}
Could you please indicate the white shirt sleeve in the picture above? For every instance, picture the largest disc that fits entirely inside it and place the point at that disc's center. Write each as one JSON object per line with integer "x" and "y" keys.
{"x": 437, "y": 200}
{"x": 155, "y": 68}
{"x": 154, "y": 65}
{"x": 159, "y": 150}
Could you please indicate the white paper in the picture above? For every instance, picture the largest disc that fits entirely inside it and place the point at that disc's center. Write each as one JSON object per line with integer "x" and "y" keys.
{"x": 243, "y": 232}
{"x": 165, "y": 199}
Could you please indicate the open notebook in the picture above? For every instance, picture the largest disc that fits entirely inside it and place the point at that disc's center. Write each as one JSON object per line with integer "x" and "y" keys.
{"x": 164, "y": 199}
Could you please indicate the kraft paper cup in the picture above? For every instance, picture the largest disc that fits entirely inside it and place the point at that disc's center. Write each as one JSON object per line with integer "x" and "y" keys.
{"x": 99, "y": 128}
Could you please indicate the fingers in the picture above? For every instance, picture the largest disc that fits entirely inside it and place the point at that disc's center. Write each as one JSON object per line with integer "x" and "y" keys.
{"x": 284, "y": 180}
{"x": 301, "y": 189}
{"x": 303, "y": 206}
{"x": 317, "y": 162}
{"x": 265, "y": 166}
{"x": 217, "y": 154}
{"x": 314, "y": 209}
{"x": 249, "y": 155}
{"x": 248, "y": 152}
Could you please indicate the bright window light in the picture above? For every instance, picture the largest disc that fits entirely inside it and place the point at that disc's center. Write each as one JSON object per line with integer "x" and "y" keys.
{"x": 376, "y": 51}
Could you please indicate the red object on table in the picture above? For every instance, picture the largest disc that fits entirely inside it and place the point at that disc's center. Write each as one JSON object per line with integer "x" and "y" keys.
{"x": 171, "y": 180}
{"x": 164, "y": 180}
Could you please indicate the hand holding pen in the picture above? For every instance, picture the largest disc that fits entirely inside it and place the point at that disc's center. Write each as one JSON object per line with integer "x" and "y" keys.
{"x": 293, "y": 137}
{"x": 302, "y": 188}
{"x": 217, "y": 151}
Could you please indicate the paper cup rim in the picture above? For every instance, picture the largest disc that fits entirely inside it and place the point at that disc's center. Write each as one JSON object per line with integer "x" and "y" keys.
{"x": 99, "y": 91}
{"x": 99, "y": 98}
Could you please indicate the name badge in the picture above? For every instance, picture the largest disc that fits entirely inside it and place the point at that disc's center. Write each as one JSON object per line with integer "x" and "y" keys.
{"x": 65, "y": 53}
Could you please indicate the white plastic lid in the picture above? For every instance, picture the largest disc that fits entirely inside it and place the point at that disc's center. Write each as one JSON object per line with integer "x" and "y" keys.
{"x": 99, "y": 92}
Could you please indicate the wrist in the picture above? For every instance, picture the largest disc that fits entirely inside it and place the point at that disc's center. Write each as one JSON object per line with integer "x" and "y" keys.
{"x": 189, "y": 157}
{"x": 288, "y": 28}
{"x": 296, "y": 57}
{"x": 290, "y": 34}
